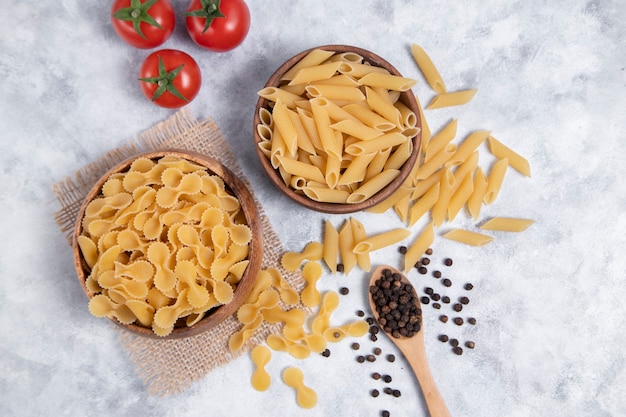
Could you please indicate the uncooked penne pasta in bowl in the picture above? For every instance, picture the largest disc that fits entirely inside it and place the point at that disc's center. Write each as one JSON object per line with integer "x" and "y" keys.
{"x": 343, "y": 119}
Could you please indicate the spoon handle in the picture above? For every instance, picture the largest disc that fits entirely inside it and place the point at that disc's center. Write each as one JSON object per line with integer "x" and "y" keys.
{"x": 417, "y": 359}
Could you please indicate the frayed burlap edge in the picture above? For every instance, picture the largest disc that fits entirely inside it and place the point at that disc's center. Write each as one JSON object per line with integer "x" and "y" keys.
{"x": 171, "y": 366}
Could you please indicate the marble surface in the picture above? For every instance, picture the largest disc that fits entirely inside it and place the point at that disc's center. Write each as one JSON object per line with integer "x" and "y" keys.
{"x": 549, "y": 302}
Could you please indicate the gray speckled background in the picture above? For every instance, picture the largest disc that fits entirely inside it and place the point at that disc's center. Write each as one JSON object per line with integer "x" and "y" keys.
{"x": 550, "y": 301}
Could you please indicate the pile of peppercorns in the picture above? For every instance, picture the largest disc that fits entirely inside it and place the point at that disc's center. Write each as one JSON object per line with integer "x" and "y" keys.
{"x": 437, "y": 299}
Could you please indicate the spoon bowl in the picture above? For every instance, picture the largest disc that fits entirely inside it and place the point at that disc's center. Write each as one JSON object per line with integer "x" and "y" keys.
{"x": 411, "y": 347}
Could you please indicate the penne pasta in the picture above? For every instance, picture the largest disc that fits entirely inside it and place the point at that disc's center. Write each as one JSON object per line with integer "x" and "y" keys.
{"x": 494, "y": 182}
{"x": 301, "y": 169}
{"x": 507, "y": 224}
{"x": 274, "y": 94}
{"x": 469, "y": 145}
{"x": 441, "y": 139}
{"x": 326, "y": 134}
{"x": 316, "y": 73}
{"x": 355, "y": 172}
{"x": 335, "y": 112}
{"x": 456, "y": 98}
{"x": 381, "y": 240}
{"x": 373, "y": 185}
{"x": 383, "y": 107}
{"x": 389, "y": 202}
{"x": 324, "y": 194}
{"x": 356, "y": 129}
{"x": 315, "y": 57}
{"x": 330, "y": 250}
{"x": 387, "y": 81}
{"x": 467, "y": 237}
{"x": 400, "y": 155}
{"x": 501, "y": 151}
{"x": 358, "y": 70}
{"x": 428, "y": 69}
{"x": 358, "y": 235}
{"x": 435, "y": 163}
{"x": 460, "y": 196}
{"x": 283, "y": 123}
{"x": 369, "y": 117}
{"x": 418, "y": 247}
{"x": 475, "y": 201}
{"x": 346, "y": 244}
{"x": 388, "y": 140}
{"x": 440, "y": 209}
{"x": 425, "y": 203}
{"x": 335, "y": 92}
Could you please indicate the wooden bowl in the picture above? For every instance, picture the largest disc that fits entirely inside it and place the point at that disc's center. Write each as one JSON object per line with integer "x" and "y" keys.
{"x": 407, "y": 97}
{"x": 248, "y": 207}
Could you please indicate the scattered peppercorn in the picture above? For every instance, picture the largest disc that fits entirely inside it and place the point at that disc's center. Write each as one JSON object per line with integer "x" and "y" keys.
{"x": 391, "y": 358}
{"x": 360, "y": 313}
{"x": 422, "y": 270}
{"x": 437, "y": 274}
{"x": 436, "y": 297}
{"x": 470, "y": 344}
{"x": 387, "y": 378}
{"x": 447, "y": 262}
{"x": 464, "y": 300}
{"x": 370, "y": 358}
{"x": 375, "y": 393}
{"x": 446, "y": 282}
{"x": 425, "y": 300}
{"x": 344, "y": 290}
{"x": 355, "y": 346}
{"x": 376, "y": 376}
{"x": 471, "y": 320}
{"x": 468, "y": 286}
{"x": 360, "y": 359}
{"x": 388, "y": 391}
{"x": 436, "y": 306}
{"x": 340, "y": 268}
{"x": 373, "y": 337}
{"x": 326, "y": 353}
{"x": 458, "y": 321}
{"x": 429, "y": 251}
{"x": 402, "y": 249}
{"x": 429, "y": 290}
{"x": 454, "y": 342}
{"x": 377, "y": 351}
{"x": 385, "y": 413}
{"x": 443, "y": 318}
{"x": 457, "y": 307}
{"x": 445, "y": 299}
{"x": 458, "y": 350}
{"x": 443, "y": 338}
{"x": 396, "y": 393}
{"x": 425, "y": 261}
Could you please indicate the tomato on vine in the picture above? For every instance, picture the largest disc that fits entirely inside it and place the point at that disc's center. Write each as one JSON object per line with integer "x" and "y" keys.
{"x": 143, "y": 25}
{"x": 218, "y": 25}
{"x": 170, "y": 78}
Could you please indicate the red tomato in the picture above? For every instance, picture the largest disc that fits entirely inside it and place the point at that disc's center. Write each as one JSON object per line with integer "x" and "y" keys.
{"x": 218, "y": 25}
{"x": 170, "y": 78}
{"x": 143, "y": 25}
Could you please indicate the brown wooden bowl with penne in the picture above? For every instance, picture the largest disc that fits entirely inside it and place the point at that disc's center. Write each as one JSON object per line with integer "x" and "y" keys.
{"x": 337, "y": 128}
{"x": 168, "y": 244}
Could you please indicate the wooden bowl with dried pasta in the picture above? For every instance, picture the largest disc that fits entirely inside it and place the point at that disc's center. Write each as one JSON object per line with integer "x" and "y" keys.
{"x": 168, "y": 244}
{"x": 337, "y": 128}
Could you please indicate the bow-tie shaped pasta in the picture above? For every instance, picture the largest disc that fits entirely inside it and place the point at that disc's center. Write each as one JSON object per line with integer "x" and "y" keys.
{"x": 176, "y": 184}
{"x": 159, "y": 256}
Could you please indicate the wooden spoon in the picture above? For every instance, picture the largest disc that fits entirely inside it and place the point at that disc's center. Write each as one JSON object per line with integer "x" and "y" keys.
{"x": 413, "y": 350}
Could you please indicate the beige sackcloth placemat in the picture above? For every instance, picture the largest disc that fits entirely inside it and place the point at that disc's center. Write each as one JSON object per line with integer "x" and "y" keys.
{"x": 170, "y": 366}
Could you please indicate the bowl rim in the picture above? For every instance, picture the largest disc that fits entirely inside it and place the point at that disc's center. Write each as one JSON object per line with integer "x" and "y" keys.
{"x": 255, "y": 255}
{"x": 407, "y": 97}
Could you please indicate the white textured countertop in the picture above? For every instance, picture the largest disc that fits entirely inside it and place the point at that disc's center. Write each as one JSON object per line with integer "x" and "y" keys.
{"x": 549, "y": 302}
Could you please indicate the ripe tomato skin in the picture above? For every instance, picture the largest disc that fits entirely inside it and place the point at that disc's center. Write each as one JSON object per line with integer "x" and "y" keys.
{"x": 162, "y": 11}
{"x": 225, "y": 33}
{"x": 187, "y": 82}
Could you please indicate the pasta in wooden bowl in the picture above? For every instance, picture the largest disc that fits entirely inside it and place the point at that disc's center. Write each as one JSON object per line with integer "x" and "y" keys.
{"x": 168, "y": 244}
{"x": 337, "y": 128}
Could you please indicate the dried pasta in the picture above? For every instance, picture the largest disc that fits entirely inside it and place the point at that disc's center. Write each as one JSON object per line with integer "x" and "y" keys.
{"x": 507, "y": 224}
{"x": 346, "y": 128}
{"x": 467, "y": 237}
{"x": 153, "y": 259}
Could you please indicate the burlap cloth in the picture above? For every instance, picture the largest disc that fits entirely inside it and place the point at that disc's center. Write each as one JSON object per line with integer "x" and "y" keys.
{"x": 170, "y": 366}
